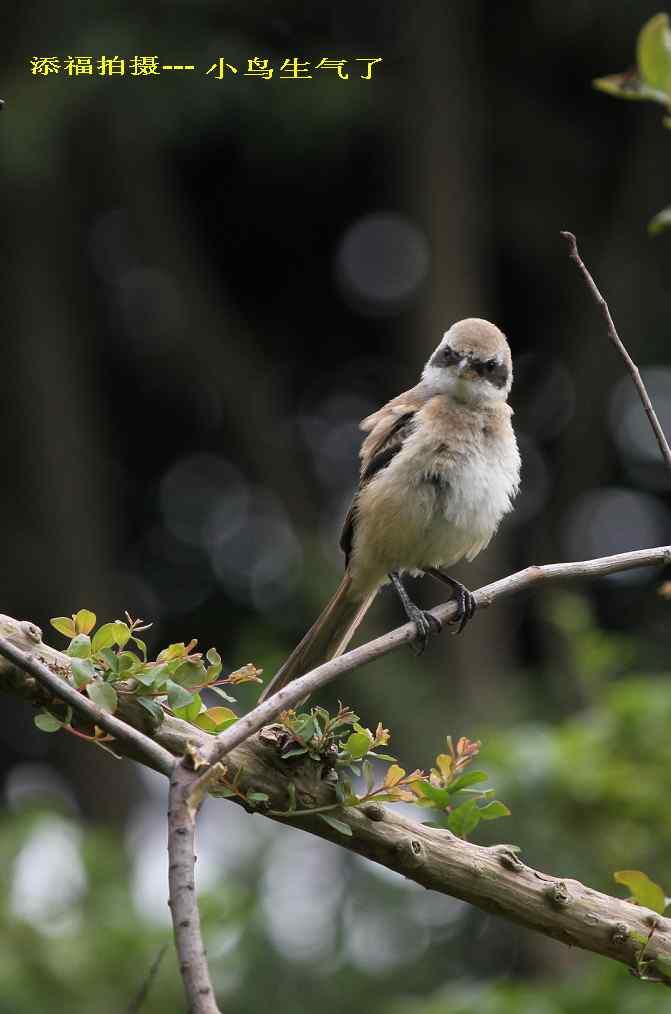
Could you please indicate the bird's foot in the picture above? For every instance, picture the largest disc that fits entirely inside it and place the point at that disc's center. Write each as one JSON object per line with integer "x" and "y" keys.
{"x": 425, "y": 622}
{"x": 465, "y": 599}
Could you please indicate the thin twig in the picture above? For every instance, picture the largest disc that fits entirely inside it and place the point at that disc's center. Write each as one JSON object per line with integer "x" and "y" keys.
{"x": 296, "y": 691}
{"x": 60, "y": 688}
{"x": 182, "y": 815}
{"x": 617, "y": 342}
{"x": 142, "y": 993}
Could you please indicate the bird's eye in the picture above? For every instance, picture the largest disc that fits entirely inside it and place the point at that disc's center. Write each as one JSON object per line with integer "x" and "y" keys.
{"x": 490, "y": 366}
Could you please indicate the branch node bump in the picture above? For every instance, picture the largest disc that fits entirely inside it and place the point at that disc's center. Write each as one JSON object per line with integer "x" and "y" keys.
{"x": 620, "y": 933}
{"x": 558, "y": 894}
{"x": 373, "y": 811}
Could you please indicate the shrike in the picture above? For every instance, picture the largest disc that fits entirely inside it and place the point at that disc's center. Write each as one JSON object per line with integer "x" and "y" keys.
{"x": 439, "y": 469}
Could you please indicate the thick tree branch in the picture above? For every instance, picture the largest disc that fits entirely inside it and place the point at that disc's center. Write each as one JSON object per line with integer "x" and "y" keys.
{"x": 90, "y": 712}
{"x": 619, "y": 345}
{"x": 494, "y": 879}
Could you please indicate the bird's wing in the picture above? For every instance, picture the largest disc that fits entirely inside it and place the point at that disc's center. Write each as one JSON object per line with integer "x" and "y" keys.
{"x": 387, "y": 430}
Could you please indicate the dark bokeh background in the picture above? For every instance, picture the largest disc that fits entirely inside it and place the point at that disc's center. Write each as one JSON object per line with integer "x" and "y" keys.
{"x": 205, "y": 285}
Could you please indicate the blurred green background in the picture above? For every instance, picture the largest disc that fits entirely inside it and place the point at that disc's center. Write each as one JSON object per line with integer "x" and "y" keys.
{"x": 205, "y": 285}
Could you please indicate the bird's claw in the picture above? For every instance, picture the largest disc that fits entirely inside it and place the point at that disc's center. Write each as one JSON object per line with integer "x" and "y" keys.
{"x": 426, "y": 624}
{"x": 466, "y": 606}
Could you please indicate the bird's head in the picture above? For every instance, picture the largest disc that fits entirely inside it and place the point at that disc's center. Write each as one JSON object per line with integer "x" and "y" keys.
{"x": 472, "y": 363}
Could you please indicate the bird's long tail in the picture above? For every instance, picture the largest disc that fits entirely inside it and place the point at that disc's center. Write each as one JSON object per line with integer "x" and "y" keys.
{"x": 327, "y": 638}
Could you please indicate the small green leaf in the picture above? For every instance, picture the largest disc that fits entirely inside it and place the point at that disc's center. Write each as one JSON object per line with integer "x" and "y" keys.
{"x": 153, "y": 707}
{"x": 47, "y": 722}
{"x": 104, "y": 695}
{"x": 178, "y": 697}
{"x": 214, "y": 658}
{"x": 464, "y": 819}
{"x": 257, "y": 797}
{"x": 127, "y": 661}
{"x": 110, "y": 657}
{"x": 121, "y": 632}
{"x": 644, "y": 891}
{"x": 470, "y": 778}
{"x": 629, "y": 86}
{"x": 82, "y": 671}
{"x": 172, "y": 651}
{"x": 79, "y": 647}
{"x": 653, "y": 53}
{"x": 660, "y": 222}
{"x": 141, "y": 645}
{"x": 190, "y": 674}
{"x": 663, "y": 962}
{"x": 191, "y": 711}
{"x": 383, "y": 757}
{"x": 303, "y": 727}
{"x": 358, "y": 744}
{"x": 493, "y": 810}
{"x": 295, "y": 751}
{"x": 439, "y": 797}
{"x": 85, "y": 621}
{"x": 337, "y": 825}
{"x": 205, "y": 723}
{"x": 64, "y": 625}
{"x": 103, "y": 638}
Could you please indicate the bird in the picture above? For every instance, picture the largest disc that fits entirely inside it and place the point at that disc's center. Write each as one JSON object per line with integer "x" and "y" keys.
{"x": 440, "y": 468}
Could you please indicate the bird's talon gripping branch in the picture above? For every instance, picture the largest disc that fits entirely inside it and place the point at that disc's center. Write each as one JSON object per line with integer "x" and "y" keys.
{"x": 465, "y": 599}
{"x": 425, "y": 621}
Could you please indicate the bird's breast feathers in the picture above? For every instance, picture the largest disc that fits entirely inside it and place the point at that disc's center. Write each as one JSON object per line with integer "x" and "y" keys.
{"x": 443, "y": 494}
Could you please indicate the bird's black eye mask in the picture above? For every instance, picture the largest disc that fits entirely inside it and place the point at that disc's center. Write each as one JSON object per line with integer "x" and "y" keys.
{"x": 494, "y": 371}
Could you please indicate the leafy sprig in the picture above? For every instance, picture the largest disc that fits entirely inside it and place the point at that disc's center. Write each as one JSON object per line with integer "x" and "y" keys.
{"x": 113, "y": 663}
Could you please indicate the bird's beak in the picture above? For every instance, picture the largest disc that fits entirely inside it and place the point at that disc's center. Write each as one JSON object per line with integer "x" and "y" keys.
{"x": 465, "y": 370}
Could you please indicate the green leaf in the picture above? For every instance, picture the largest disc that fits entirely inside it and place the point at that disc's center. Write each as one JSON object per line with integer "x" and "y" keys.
{"x": 172, "y": 651}
{"x": 103, "y": 638}
{"x": 383, "y": 757}
{"x": 663, "y": 962}
{"x": 629, "y": 86}
{"x": 79, "y": 647}
{"x": 64, "y": 625}
{"x": 141, "y": 645}
{"x": 190, "y": 674}
{"x": 257, "y": 797}
{"x": 153, "y": 707}
{"x": 85, "y": 621}
{"x": 191, "y": 711}
{"x": 110, "y": 657}
{"x": 121, "y": 632}
{"x": 205, "y": 723}
{"x": 494, "y": 810}
{"x": 303, "y": 727}
{"x": 214, "y": 658}
{"x": 464, "y": 819}
{"x": 439, "y": 797}
{"x": 470, "y": 778}
{"x": 295, "y": 751}
{"x": 178, "y": 697}
{"x": 660, "y": 222}
{"x": 358, "y": 744}
{"x": 127, "y": 661}
{"x": 47, "y": 722}
{"x": 104, "y": 695}
{"x": 653, "y": 53}
{"x": 644, "y": 891}
{"x": 337, "y": 825}
{"x": 82, "y": 671}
